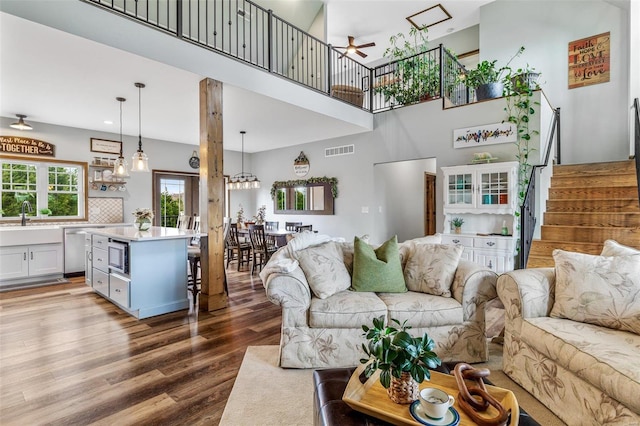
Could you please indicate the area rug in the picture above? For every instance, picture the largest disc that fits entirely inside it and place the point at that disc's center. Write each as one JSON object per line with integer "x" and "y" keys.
{"x": 266, "y": 394}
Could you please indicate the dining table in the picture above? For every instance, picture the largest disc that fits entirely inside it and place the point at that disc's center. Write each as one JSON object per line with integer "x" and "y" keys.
{"x": 279, "y": 235}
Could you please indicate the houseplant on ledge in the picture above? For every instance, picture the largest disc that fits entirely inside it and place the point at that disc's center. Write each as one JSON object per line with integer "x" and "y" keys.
{"x": 488, "y": 80}
{"x": 416, "y": 74}
{"x": 404, "y": 361}
{"x": 45, "y": 212}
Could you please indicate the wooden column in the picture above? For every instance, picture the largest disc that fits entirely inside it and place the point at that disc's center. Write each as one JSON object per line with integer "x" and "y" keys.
{"x": 213, "y": 295}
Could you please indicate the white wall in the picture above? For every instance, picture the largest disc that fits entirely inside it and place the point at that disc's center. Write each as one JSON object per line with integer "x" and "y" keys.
{"x": 595, "y": 118}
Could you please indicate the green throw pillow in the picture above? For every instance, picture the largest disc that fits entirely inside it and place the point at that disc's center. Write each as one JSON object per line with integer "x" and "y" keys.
{"x": 377, "y": 270}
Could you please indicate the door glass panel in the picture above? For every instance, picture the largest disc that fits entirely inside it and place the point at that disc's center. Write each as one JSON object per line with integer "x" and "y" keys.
{"x": 172, "y": 200}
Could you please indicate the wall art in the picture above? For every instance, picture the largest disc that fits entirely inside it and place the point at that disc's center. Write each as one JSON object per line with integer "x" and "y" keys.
{"x": 487, "y": 134}
{"x": 589, "y": 61}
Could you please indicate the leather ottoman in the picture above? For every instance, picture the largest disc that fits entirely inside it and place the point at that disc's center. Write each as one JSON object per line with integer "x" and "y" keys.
{"x": 330, "y": 410}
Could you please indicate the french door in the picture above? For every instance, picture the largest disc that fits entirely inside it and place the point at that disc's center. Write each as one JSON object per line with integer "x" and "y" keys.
{"x": 175, "y": 193}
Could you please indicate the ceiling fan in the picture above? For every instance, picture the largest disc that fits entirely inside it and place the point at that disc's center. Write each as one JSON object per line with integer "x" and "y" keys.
{"x": 352, "y": 48}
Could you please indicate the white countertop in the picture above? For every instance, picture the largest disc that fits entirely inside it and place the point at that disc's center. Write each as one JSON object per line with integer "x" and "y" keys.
{"x": 130, "y": 233}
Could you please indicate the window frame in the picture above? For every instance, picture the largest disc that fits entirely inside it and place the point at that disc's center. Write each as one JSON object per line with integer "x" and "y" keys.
{"x": 42, "y": 183}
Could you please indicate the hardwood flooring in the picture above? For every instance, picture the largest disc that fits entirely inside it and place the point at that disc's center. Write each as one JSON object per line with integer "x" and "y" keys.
{"x": 69, "y": 357}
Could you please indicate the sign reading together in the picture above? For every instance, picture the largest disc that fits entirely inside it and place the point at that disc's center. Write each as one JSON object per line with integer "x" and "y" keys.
{"x": 26, "y": 146}
{"x": 589, "y": 60}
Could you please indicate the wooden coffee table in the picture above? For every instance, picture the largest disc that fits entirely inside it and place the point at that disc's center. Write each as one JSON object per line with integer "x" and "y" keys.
{"x": 371, "y": 398}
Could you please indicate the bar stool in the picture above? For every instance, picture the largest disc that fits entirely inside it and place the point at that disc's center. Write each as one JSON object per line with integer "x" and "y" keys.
{"x": 193, "y": 257}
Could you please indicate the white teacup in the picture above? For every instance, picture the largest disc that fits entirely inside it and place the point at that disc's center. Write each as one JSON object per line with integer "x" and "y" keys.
{"x": 435, "y": 402}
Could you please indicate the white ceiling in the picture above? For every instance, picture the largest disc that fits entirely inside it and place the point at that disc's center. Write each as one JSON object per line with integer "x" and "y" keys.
{"x": 58, "y": 78}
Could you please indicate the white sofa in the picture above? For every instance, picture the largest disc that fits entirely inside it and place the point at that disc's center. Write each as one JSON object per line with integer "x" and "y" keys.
{"x": 586, "y": 368}
{"x": 327, "y": 332}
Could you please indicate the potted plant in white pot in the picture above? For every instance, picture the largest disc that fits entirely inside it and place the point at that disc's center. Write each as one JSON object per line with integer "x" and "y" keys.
{"x": 416, "y": 73}
{"x": 45, "y": 212}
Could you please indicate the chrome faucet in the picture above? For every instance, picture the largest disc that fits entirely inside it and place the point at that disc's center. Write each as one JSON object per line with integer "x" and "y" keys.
{"x": 26, "y": 204}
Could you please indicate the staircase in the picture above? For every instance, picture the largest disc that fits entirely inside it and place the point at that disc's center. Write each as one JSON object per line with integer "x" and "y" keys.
{"x": 588, "y": 204}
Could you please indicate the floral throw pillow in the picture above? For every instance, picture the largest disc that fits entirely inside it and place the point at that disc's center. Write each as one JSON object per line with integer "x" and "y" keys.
{"x": 614, "y": 248}
{"x": 601, "y": 290}
{"x": 430, "y": 268}
{"x": 323, "y": 266}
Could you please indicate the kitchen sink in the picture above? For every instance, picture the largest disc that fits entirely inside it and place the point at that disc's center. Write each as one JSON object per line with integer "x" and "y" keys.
{"x": 26, "y": 235}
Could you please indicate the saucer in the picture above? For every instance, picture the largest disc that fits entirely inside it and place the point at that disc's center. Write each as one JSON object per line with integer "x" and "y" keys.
{"x": 451, "y": 418}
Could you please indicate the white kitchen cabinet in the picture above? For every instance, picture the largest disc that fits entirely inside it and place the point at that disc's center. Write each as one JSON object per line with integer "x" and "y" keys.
{"x": 30, "y": 261}
{"x": 88, "y": 265}
{"x": 481, "y": 188}
{"x": 100, "y": 264}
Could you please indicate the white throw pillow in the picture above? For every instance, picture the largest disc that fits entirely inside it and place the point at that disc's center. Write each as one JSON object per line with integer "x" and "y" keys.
{"x": 430, "y": 268}
{"x": 429, "y": 239}
{"x": 601, "y": 290}
{"x": 614, "y": 248}
{"x": 324, "y": 268}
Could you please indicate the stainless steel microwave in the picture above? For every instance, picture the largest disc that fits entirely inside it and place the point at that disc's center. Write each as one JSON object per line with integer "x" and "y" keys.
{"x": 119, "y": 256}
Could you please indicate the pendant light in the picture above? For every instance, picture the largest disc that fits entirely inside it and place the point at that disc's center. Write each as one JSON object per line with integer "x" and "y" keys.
{"x": 20, "y": 124}
{"x": 120, "y": 166}
{"x": 244, "y": 180}
{"x": 139, "y": 161}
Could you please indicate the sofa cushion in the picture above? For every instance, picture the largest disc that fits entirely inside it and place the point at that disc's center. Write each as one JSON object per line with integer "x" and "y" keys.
{"x": 614, "y": 248}
{"x": 347, "y": 309}
{"x": 607, "y": 359}
{"x": 422, "y": 310}
{"x": 379, "y": 269}
{"x": 601, "y": 290}
{"x": 430, "y": 268}
{"x": 324, "y": 269}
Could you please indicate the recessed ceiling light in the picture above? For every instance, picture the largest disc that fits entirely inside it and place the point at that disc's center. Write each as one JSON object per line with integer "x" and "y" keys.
{"x": 108, "y": 122}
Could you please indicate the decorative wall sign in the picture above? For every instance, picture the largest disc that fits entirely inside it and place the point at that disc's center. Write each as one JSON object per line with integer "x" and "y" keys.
{"x": 589, "y": 60}
{"x": 301, "y": 165}
{"x": 26, "y": 146}
{"x": 106, "y": 146}
{"x": 487, "y": 134}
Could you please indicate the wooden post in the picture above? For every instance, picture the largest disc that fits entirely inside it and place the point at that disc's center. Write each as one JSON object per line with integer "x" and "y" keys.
{"x": 213, "y": 284}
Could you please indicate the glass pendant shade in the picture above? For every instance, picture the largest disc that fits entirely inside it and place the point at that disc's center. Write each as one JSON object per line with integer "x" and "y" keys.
{"x": 120, "y": 166}
{"x": 139, "y": 161}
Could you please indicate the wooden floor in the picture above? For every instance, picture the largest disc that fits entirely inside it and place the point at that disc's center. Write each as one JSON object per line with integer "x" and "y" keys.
{"x": 69, "y": 357}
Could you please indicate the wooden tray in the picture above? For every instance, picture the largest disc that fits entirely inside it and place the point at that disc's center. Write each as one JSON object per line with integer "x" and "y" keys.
{"x": 372, "y": 399}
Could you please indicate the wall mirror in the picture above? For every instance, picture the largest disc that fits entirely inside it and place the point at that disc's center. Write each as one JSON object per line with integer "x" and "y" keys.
{"x": 304, "y": 196}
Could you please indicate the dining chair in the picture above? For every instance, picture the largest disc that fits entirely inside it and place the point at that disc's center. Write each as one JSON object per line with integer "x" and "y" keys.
{"x": 237, "y": 250}
{"x": 262, "y": 248}
{"x": 271, "y": 226}
{"x": 303, "y": 228}
{"x": 182, "y": 222}
{"x": 291, "y": 226}
{"x": 193, "y": 257}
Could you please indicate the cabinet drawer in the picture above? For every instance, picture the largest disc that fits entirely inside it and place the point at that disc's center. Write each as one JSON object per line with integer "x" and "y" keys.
{"x": 119, "y": 290}
{"x": 457, "y": 239}
{"x": 100, "y": 259}
{"x": 496, "y": 243}
{"x": 100, "y": 280}
{"x": 100, "y": 241}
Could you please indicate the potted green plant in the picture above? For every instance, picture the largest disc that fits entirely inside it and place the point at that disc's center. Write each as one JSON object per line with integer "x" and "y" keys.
{"x": 487, "y": 79}
{"x": 404, "y": 361}
{"x": 45, "y": 212}
{"x": 416, "y": 73}
{"x": 457, "y": 223}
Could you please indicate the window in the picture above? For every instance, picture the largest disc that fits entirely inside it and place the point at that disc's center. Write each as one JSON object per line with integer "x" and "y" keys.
{"x": 54, "y": 185}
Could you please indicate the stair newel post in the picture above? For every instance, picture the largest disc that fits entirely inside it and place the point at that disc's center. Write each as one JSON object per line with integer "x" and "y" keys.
{"x": 371, "y": 89}
{"x": 558, "y": 159}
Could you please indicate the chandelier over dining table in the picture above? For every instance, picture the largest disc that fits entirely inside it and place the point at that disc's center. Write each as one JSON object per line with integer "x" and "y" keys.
{"x": 243, "y": 180}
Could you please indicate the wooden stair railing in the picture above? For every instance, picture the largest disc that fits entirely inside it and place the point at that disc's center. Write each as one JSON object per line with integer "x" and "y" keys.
{"x": 588, "y": 204}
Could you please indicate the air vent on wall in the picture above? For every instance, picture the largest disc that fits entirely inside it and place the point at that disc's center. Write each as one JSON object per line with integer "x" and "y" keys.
{"x": 339, "y": 150}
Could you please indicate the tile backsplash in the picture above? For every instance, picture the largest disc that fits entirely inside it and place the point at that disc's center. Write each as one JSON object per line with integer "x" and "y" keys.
{"x": 106, "y": 210}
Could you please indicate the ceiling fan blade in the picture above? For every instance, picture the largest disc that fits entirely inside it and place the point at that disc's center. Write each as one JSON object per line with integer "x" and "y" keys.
{"x": 350, "y": 40}
{"x": 364, "y": 55}
{"x": 366, "y": 45}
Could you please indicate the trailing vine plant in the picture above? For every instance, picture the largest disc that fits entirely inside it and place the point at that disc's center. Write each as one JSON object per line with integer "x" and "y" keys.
{"x": 520, "y": 108}
{"x": 333, "y": 182}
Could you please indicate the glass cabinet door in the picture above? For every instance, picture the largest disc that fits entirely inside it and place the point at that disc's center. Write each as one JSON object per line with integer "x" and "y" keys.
{"x": 460, "y": 189}
{"x": 494, "y": 189}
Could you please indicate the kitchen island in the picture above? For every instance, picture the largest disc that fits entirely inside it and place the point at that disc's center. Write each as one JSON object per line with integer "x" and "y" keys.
{"x": 142, "y": 272}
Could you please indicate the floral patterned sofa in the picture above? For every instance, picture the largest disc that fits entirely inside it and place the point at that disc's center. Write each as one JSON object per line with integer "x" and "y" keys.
{"x": 572, "y": 335}
{"x": 326, "y": 331}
